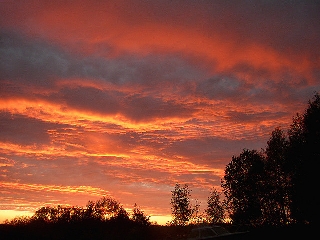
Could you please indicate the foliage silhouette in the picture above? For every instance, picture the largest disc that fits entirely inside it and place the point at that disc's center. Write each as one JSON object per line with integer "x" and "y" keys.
{"x": 101, "y": 219}
{"x": 243, "y": 187}
{"x": 139, "y": 217}
{"x": 276, "y": 201}
{"x": 181, "y": 208}
{"x": 277, "y": 186}
{"x": 304, "y": 154}
{"x": 215, "y": 210}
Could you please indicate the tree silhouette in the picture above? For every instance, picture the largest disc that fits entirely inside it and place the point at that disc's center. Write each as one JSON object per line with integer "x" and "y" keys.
{"x": 122, "y": 216}
{"x": 18, "y": 221}
{"x": 181, "y": 207}
{"x": 139, "y": 217}
{"x": 59, "y": 214}
{"x": 45, "y": 214}
{"x": 303, "y": 156}
{"x": 242, "y": 185}
{"x": 104, "y": 208}
{"x": 277, "y": 186}
{"x": 215, "y": 210}
{"x": 276, "y": 182}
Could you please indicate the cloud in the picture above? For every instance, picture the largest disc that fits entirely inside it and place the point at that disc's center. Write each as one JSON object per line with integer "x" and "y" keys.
{"x": 32, "y": 62}
{"x": 22, "y": 130}
{"x": 54, "y": 195}
{"x": 33, "y": 69}
{"x": 219, "y": 87}
{"x": 264, "y": 34}
{"x": 213, "y": 151}
{"x": 40, "y": 63}
{"x": 140, "y": 108}
{"x": 90, "y": 99}
{"x": 53, "y": 188}
{"x": 247, "y": 117}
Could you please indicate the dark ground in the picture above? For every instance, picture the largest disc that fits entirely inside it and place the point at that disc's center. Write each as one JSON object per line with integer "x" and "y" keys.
{"x": 97, "y": 231}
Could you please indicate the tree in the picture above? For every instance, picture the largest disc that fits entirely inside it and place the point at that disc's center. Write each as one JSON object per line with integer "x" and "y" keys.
{"x": 106, "y": 207}
{"x": 276, "y": 182}
{"x": 44, "y": 214}
{"x": 139, "y": 217}
{"x": 102, "y": 209}
{"x": 215, "y": 210}
{"x": 196, "y": 216}
{"x": 303, "y": 156}
{"x": 181, "y": 207}
{"x": 278, "y": 187}
{"x": 59, "y": 214}
{"x": 122, "y": 217}
{"x": 18, "y": 221}
{"x": 242, "y": 185}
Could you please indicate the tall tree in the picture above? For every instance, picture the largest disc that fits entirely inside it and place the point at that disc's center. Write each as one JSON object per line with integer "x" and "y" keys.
{"x": 304, "y": 154}
{"x": 181, "y": 208}
{"x": 278, "y": 187}
{"x": 242, "y": 185}
{"x": 215, "y": 209}
{"x": 276, "y": 182}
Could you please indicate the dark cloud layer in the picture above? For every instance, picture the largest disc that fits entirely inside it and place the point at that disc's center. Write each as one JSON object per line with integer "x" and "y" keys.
{"x": 40, "y": 63}
{"x": 22, "y": 130}
{"x": 33, "y": 62}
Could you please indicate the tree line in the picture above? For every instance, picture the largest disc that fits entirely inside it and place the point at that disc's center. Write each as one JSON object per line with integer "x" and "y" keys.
{"x": 101, "y": 219}
{"x": 273, "y": 186}
{"x": 106, "y": 209}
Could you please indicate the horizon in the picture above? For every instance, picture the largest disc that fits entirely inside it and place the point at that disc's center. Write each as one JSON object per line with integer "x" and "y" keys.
{"x": 127, "y": 98}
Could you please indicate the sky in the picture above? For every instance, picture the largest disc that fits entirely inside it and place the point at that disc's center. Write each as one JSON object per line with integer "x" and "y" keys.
{"x": 127, "y": 98}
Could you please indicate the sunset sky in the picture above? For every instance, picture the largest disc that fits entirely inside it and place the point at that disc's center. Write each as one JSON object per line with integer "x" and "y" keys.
{"x": 127, "y": 98}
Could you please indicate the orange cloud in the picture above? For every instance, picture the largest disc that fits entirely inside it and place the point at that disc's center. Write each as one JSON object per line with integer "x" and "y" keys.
{"x": 54, "y": 188}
